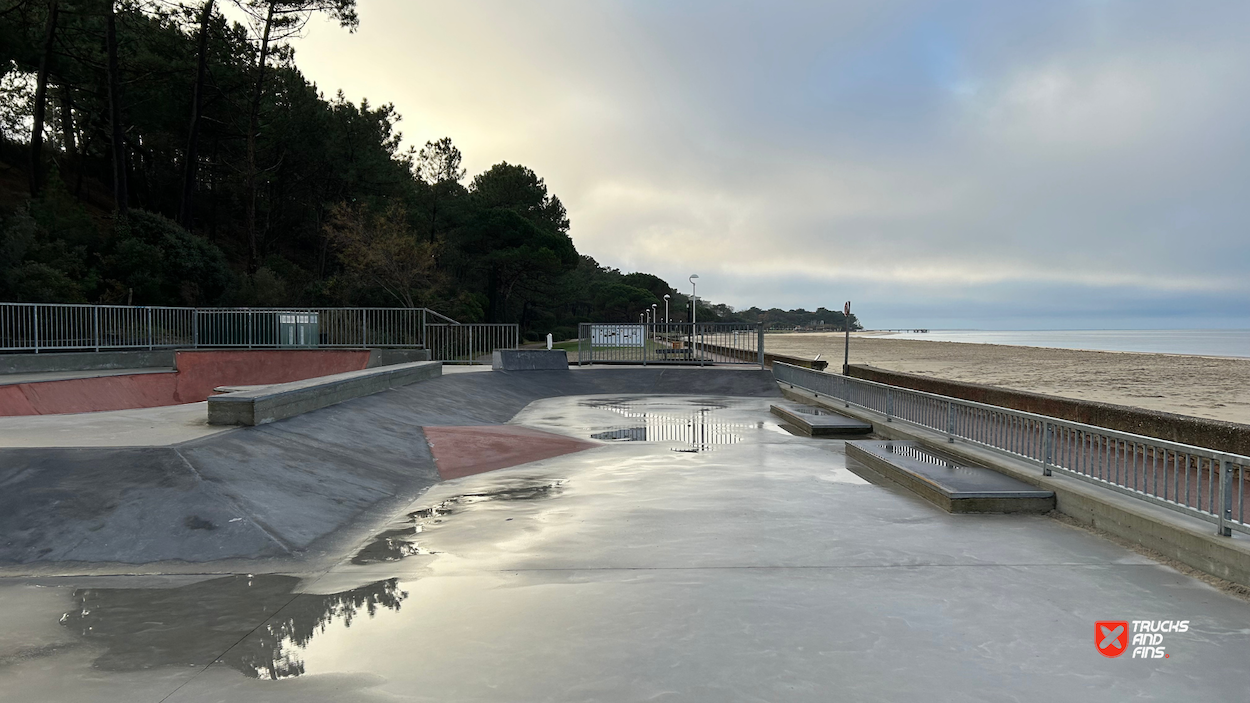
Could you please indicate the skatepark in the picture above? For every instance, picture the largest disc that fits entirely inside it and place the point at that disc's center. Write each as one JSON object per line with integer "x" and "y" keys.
{"x": 584, "y": 533}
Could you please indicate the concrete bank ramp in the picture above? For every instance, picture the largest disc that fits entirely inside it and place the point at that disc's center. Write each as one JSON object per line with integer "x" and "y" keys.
{"x": 286, "y": 489}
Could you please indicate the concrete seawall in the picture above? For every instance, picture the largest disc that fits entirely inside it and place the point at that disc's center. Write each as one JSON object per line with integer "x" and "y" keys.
{"x": 1201, "y": 432}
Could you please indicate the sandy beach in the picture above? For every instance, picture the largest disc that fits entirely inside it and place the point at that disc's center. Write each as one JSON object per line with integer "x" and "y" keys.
{"x": 1208, "y": 387}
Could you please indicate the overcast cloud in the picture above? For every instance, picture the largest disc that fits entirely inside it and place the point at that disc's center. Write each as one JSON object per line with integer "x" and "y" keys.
{"x": 1048, "y": 164}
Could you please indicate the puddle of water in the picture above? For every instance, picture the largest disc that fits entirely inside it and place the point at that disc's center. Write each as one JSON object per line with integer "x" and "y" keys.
{"x": 403, "y": 542}
{"x": 209, "y": 621}
{"x": 920, "y": 454}
{"x": 694, "y": 423}
{"x": 808, "y": 410}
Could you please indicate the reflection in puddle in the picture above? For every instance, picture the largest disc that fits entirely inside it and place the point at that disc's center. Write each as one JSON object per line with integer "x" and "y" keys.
{"x": 195, "y": 624}
{"x": 402, "y": 542}
{"x": 693, "y": 423}
{"x": 921, "y": 454}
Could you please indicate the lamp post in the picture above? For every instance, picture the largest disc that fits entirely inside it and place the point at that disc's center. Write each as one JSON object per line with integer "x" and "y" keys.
{"x": 694, "y": 310}
{"x": 694, "y": 298}
{"x": 666, "y": 297}
{"x": 655, "y": 317}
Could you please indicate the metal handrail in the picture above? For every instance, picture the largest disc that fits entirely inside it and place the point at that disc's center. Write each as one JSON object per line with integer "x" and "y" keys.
{"x": 39, "y": 327}
{"x": 1122, "y": 461}
{"x": 647, "y": 343}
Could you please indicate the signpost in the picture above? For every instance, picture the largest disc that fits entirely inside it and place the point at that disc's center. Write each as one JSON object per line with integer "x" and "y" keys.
{"x": 846, "y": 358}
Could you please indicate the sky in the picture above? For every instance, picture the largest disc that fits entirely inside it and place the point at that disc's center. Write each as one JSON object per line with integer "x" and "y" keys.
{"x": 1048, "y": 164}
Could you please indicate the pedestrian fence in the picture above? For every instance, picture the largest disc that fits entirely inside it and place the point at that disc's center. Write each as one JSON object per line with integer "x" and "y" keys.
{"x": 469, "y": 343}
{"x": 677, "y": 343}
{"x": 43, "y": 327}
{"x": 1196, "y": 481}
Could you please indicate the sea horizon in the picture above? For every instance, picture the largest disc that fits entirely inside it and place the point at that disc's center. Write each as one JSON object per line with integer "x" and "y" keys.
{"x": 1195, "y": 342}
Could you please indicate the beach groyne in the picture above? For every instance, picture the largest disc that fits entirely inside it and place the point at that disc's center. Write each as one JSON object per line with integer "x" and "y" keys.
{"x": 1196, "y": 431}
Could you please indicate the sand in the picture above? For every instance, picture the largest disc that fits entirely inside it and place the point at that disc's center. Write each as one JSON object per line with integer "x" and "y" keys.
{"x": 1216, "y": 388}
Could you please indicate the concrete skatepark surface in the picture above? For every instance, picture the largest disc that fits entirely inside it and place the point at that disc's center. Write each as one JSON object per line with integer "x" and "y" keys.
{"x": 274, "y": 490}
{"x": 699, "y": 552}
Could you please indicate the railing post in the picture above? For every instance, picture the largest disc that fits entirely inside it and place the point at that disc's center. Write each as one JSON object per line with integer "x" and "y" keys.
{"x": 889, "y": 405}
{"x": 195, "y": 328}
{"x": 36, "y": 309}
{"x": 364, "y": 328}
{"x": 1048, "y": 449}
{"x": 759, "y": 326}
{"x": 950, "y": 422}
{"x": 1226, "y": 499}
{"x": 95, "y": 326}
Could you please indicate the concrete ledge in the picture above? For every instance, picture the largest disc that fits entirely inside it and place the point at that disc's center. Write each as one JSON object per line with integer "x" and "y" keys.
{"x": 821, "y": 423}
{"x": 45, "y": 362}
{"x": 956, "y": 487}
{"x": 390, "y": 357}
{"x": 1188, "y": 540}
{"x": 258, "y": 406}
{"x": 530, "y": 360}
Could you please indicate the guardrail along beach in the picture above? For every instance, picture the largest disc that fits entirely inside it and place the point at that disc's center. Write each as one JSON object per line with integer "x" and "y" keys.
{"x": 1204, "y": 483}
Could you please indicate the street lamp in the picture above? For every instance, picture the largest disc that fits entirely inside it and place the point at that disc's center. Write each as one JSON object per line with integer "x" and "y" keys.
{"x": 694, "y": 298}
{"x": 666, "y": 297}
{"x": 655, "y": 314}
{"x": 694, "y": 308}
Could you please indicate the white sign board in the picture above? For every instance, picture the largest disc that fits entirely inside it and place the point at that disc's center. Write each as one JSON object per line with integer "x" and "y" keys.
{"x": 617, "y": 335}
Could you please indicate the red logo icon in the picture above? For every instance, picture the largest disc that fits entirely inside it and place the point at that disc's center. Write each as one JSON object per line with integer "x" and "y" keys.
{"x": 1111, "y": 637}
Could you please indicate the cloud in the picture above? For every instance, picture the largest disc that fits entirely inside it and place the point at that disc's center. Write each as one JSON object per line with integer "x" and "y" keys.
{"x": 915, "y": 155}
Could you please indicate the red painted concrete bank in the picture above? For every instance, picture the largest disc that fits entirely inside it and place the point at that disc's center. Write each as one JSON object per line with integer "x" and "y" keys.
{"x": 198, "y": 373}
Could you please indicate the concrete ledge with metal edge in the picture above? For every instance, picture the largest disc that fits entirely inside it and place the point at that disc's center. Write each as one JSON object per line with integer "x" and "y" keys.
{"x": 85, "y": 361}
{"x": 816, "y": 422}
{"x": 955, "y": 486}
{"x": 257, "y": 406}
{"x": 530, "y": 360}
{"x": 1172, "y": 530}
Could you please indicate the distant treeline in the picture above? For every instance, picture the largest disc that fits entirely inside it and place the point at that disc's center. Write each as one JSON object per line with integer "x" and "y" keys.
{"x": 154, "y": 153}
{"x": 820, "y": 319}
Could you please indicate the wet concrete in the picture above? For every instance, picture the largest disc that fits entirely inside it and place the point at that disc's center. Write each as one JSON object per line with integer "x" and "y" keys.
{"x": 464, "y": 451}
{"x": 292, "y": 489}
{"x": 760, "y": 569}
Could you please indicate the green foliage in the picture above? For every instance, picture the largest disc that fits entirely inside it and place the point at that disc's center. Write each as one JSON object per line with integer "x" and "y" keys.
{"x": 821, "y": 318}
{"x": 495, "y": 249}
{"x": 164, "y": 264}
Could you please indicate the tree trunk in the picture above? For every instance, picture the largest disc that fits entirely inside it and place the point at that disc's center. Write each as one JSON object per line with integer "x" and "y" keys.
{"x": 41, "y": 102}
{"x": 67, "y": 122}
{"x": 253, "y": 126}
{"x": 191, "y": 165}
{"x": 121, "y": 195}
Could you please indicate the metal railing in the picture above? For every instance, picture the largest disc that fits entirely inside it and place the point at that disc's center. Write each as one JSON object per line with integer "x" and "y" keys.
{"x": 331, "y": 327}
{"x": 470, "y": 343}
{"x": 40, "y": 327}
{"x": 45, "y": 327}
{"x": 1200, "y": 482}
{"x": 679, "y": 343}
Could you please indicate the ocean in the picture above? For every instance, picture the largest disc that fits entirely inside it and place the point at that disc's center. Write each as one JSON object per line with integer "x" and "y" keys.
{"x": 1198, "y": 342}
